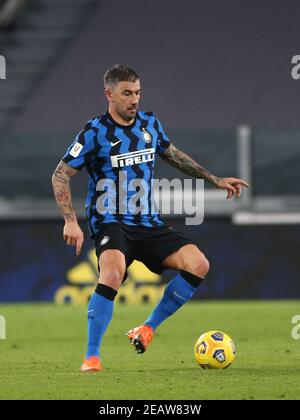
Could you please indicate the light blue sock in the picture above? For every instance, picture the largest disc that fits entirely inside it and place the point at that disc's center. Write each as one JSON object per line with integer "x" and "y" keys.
{"x": 100, "y": 312}
{"x": 176, "y": 294}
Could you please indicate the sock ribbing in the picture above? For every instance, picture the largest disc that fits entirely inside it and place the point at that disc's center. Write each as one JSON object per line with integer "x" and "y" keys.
{"x": 106, "y": 291}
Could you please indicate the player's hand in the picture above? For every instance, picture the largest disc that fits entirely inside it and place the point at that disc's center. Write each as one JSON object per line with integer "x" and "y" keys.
{"x": 232, "y": 185}
{"x": 73, "y": 235}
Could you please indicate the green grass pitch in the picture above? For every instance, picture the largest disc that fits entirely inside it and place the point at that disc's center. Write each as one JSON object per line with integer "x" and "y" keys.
{"x": 45, "y": 344}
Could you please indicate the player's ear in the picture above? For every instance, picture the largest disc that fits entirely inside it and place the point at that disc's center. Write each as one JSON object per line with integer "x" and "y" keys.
{"x": 108, "y": 94}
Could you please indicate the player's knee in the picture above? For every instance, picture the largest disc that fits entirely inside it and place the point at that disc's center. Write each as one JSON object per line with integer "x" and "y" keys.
{"x": 201, "y": 267}
{"x": 205, "y": 266}
{"x": 112, "y": 277}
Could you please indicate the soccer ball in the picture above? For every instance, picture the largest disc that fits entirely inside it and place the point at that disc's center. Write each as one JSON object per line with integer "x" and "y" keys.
{"x": 214, "y": 350}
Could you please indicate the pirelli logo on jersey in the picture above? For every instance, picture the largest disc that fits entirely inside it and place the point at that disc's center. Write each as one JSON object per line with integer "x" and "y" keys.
{"x": 133, "y": 158}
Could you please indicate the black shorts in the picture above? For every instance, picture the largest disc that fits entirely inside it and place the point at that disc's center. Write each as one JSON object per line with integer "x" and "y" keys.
{"x": 148, "y": 245}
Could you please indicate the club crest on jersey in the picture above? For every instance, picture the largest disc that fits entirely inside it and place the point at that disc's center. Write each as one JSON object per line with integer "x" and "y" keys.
{"x": 133, "y": 158}
{"x": 147, "y": 136}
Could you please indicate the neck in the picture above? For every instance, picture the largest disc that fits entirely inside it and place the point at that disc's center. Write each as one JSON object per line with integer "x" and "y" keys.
{"x": 118, "y": 118}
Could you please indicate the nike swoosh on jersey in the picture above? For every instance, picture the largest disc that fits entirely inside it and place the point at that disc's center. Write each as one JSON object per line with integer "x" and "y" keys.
{"x": 116, "y": 142}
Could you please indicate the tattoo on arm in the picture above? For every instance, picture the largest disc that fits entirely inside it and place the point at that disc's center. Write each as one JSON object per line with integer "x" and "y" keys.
{"x": 62, "y": 191}
{"x": 187, "y": 165}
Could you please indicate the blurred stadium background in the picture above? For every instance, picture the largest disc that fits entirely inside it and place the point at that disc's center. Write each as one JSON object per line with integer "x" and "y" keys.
{"x": 218, "y": 75}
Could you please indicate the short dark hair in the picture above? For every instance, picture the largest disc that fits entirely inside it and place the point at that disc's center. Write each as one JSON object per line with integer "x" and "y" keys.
{"x": 119, "y": 73}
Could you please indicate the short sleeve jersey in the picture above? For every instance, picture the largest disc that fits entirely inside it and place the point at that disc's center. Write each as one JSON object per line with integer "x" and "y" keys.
{"x": 120, "y": 162}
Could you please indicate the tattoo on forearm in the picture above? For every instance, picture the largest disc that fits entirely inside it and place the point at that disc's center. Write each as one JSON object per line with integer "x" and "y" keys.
{"x": 64, "y": 172}
{"x": 186, "y": 164}
{"x": 62, "y": 191}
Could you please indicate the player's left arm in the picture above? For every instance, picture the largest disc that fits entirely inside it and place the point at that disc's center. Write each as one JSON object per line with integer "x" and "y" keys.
{"x": 187, "y": 165}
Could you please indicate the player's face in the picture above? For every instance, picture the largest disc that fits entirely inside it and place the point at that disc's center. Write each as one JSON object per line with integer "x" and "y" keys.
{"x": 124, "y": 99}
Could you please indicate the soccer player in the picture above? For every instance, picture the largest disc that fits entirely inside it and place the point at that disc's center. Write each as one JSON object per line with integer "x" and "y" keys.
{"x": 118, "y": 148}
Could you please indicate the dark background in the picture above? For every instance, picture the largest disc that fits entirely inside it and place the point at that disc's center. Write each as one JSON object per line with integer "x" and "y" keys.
{"x": 206, "y": 68}
{"x": 203, "y": 64}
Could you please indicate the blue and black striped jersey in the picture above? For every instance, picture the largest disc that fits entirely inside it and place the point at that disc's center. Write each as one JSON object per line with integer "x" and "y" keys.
{"x": 115, "y": 157}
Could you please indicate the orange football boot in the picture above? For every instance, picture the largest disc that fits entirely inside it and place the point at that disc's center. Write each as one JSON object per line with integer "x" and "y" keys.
{"x": 140, "y": 337}
{"x": 91, "y": 364}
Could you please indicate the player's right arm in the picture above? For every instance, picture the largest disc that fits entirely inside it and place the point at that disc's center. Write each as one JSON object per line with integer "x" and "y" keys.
{"x": 61, "y": 177}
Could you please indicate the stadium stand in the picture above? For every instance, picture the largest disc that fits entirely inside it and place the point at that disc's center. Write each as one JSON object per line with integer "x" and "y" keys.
{"x": 10, "y": 11}
{"x": 44, "y": 31}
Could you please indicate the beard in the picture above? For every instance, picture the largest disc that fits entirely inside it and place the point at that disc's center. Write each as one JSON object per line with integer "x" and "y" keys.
{"x": 129, "y": 114}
